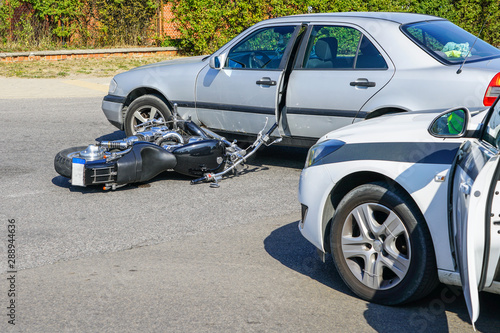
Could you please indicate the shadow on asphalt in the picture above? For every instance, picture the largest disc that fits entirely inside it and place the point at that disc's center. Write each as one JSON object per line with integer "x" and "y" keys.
{"x": 116, "y": 135}
{"x": 64, "y": 182}
{"x": 268, "y": 156}
{"x": 280, "y": 156}
{"x": 287, "y": 245}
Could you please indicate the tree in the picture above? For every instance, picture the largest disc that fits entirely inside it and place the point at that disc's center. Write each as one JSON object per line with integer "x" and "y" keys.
{"x": 125, "y": 22}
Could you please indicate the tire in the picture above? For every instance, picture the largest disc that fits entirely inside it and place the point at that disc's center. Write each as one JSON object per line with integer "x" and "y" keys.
{"x": 381, "y": 245}
{"x": 63, "y": 160}
{"x": 142, "y": 109}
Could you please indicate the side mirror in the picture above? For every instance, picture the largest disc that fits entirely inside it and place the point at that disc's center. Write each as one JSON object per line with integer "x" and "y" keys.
{"x": 215, "y": 62}
{"x": 450, "y": 124}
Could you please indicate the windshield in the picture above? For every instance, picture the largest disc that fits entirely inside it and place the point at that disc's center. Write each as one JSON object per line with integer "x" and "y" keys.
{"x": 448, "y": 42}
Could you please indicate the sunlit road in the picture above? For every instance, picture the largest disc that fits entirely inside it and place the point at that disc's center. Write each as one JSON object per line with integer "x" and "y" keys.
{"x": 167, "y": 256}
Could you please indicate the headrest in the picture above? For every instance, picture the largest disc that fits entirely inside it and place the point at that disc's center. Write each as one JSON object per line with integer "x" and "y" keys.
{"x": 326, "y": 48}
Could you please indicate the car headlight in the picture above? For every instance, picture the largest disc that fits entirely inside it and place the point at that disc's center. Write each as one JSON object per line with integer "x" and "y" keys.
{"x": 112, "y": 86}
{"x": 322, "y": 149}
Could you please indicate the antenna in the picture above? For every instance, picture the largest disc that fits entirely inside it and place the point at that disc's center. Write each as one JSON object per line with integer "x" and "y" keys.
{"x": 470, "y": 49}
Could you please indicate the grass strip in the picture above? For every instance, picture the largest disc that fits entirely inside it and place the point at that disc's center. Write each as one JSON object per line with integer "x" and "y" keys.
{"x": 89, "y": 67}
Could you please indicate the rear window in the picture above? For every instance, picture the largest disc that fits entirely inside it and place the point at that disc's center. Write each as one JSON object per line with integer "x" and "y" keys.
{"x": 448, "y": 42}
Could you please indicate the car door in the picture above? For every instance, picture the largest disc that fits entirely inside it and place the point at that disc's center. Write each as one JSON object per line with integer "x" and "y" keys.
{"x": 243, "y": 92}
{"x": 339, "y": 68}
{"x": 475, "y": 214}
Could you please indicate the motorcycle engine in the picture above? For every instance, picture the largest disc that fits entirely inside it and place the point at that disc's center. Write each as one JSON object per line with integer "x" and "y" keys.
{"x": 92, "y": 153}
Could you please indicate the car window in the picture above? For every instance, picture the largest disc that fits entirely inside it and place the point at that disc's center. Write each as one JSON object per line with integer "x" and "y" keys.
{"x": 262, "y": 49}
{"x": 368, "y": 56}
{"x": 339, "y": 47}
{"x": 492, "y": 130}
{"x": 449, "y": 42}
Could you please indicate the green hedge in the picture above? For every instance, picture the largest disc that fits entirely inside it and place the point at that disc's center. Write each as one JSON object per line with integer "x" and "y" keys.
{"x": 125, "y": 22}
{"x": 205, "y": 25}
{"x": 77, "y": 23}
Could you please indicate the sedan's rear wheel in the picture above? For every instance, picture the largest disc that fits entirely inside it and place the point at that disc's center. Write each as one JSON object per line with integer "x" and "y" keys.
{"x": 143, "y": 109}
{"x": 381, "y": 245}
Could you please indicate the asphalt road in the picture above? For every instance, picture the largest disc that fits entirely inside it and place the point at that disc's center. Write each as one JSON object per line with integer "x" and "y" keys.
{"x": 166, "y": 256}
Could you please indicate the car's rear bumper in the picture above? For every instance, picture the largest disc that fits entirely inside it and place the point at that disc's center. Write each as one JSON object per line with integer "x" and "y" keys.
{"x": 112, "y": 107}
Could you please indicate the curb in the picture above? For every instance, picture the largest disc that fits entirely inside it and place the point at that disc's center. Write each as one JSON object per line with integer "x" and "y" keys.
{"x": 91, "y": 53}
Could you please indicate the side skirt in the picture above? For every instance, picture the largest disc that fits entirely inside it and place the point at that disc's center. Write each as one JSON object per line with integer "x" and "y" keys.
{"x": 287, "y": 141}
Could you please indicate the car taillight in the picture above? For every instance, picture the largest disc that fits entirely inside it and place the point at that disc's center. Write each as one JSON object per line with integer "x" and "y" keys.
{"x": 492, "y": 91}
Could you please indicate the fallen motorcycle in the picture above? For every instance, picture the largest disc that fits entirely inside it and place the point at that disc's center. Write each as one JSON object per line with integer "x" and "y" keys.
{"x": 173, "y": 145}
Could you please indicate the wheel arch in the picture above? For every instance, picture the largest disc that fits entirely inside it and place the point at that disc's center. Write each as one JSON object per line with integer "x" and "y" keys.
{"x": 138, "y": 92}
{"x": 344, "y": 186}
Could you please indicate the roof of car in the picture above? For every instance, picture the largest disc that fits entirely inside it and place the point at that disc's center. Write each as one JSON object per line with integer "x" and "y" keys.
{"x": 401, "y": 18}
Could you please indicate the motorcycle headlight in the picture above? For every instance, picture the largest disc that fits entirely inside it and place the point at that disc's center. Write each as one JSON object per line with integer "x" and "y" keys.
{"x": 320, "y": 150}
{"x": 112, "y": 86}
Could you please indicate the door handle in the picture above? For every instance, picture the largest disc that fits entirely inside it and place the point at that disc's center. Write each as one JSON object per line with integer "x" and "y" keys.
{"x": 465, "y": 188}
{"x": 266, "y": 81}
{"x": 362, "y": 83}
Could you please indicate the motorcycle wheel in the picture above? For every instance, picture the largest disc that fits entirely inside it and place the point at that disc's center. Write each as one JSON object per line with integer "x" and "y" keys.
{"x": 63, "y": 160}
{"x": 142, "y": 109}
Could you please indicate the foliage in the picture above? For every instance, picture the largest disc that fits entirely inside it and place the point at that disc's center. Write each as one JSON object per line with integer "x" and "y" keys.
{"x": 6, "y": 13}
{"x": 61, "y": 15}
{"x": 204, "y": 25}
{"x": 348, "y": 38}
{"x": 27, "y": 32}
{"x": 45, "y": 23}
{"x": 80, "y": 23}
{"x": 207, "y": 24}
{"x": 473, "y": 14}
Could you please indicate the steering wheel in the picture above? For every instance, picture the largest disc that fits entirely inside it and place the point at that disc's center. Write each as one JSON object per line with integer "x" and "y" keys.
{"x": 256, "y": 62}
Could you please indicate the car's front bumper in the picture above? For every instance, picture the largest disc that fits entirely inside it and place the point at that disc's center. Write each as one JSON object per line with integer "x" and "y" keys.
{"x": 314, "y": 190}
{"x": 112, "y": 107}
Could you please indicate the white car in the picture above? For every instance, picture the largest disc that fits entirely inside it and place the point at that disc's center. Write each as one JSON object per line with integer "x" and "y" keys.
{"x": 404, "y": 201}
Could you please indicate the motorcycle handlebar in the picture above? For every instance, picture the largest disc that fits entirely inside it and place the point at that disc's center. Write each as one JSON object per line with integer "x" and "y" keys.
{"x": 261, "y": 139}
{"x": 199, "y": 180}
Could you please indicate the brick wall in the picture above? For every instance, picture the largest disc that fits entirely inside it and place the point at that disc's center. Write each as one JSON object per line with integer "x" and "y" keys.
{"x": 168, "y": 27}
{"x": 78, "y": 54}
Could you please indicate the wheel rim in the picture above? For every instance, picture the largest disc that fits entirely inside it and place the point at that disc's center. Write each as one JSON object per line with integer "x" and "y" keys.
{"x": 142, "y": 115}
{"x": 376, "y": 246}
{"x": 73, "y": 154}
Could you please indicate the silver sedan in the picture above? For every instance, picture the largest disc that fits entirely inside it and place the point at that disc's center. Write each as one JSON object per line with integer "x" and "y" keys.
{"x": 313, "y": 74}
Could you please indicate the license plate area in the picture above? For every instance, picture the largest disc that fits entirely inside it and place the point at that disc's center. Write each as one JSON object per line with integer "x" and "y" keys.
{"x": 78, "y": 172}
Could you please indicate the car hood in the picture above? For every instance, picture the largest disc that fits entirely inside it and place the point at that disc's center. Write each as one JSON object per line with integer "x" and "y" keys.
{"x": 163, "y": 77}
{"x": 403, "y": 127}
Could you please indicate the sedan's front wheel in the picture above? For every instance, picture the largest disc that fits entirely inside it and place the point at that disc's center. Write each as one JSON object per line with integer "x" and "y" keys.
{"x": 143, "y": 109}
{"x": 381, "y": 245}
